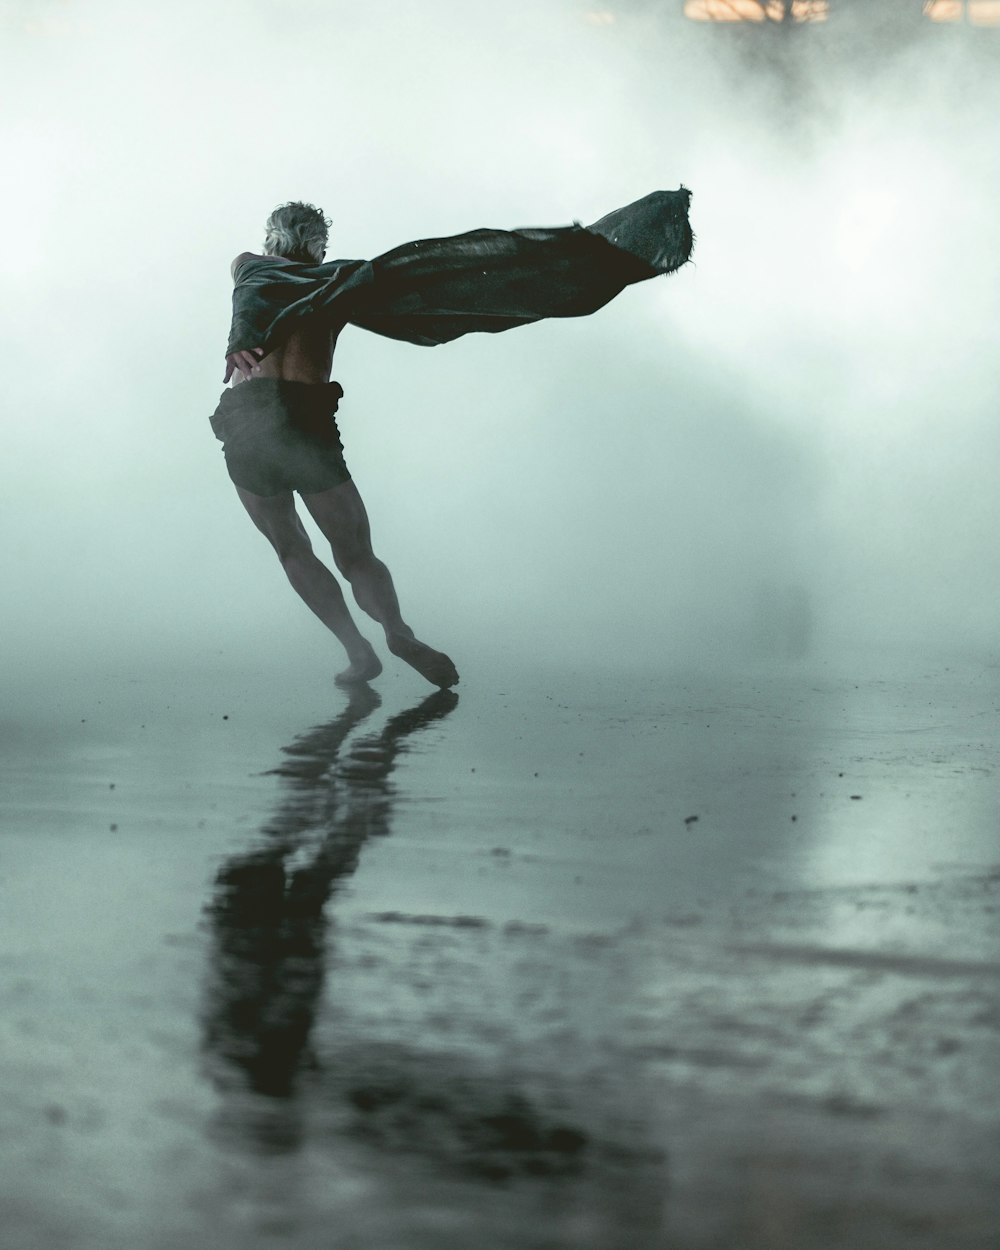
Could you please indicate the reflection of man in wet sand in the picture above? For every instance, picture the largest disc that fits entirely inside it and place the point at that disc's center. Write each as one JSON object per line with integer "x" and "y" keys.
{"x": 277, "y": 423}
{"x": 268, "y": 909}
{"x": 281, "y": 436}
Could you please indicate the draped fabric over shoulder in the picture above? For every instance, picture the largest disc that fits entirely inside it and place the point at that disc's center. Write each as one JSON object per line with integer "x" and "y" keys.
{"x": 435, "y": 290}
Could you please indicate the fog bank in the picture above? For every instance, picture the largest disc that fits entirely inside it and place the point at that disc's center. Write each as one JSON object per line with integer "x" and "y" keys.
{"x": 784, "y": 449}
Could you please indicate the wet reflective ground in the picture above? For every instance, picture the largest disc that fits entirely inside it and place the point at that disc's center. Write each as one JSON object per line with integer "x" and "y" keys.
{"x": 568, "y": 961}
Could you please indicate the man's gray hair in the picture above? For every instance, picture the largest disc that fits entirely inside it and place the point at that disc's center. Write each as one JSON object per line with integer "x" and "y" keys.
{"x": 297, "y": 231}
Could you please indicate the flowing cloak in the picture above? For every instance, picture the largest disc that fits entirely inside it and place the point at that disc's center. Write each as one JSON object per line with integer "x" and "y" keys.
{"x": 436, "y": 290}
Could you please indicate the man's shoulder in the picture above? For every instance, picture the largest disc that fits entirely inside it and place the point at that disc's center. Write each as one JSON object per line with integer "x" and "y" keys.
{"x": 243, "y": 256}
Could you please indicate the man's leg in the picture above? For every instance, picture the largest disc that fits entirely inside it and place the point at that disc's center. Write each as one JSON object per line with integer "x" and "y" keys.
{"x": 277, "y": 520}
{"x": 341, "y": 516}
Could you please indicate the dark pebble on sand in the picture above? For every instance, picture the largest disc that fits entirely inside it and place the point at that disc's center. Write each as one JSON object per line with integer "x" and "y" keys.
{"x": 855, "y": 796}
{"x": 690, "y": 820}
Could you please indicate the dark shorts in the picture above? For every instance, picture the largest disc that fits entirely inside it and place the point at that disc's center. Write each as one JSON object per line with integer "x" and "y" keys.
{"x": 279, "y": 436}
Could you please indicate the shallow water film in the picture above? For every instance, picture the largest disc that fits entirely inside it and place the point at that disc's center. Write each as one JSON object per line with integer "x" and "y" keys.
{"x": 581, "y": 960}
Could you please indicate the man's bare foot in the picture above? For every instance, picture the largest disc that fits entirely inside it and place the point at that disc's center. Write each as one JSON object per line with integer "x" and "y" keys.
{"x": 364, "y": 667}
{"x": 435, "y": 666}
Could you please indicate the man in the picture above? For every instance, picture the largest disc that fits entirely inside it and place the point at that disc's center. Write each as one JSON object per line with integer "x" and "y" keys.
{"x": 277, "y": 422}
{"x": 280, "y": 436}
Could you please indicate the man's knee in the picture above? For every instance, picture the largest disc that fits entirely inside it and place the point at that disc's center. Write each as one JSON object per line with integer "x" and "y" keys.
{"x": 351, "y": 558}
{"x": 291, "y": 548}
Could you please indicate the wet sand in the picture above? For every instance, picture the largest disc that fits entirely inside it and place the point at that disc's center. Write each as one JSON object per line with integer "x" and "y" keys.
{"x": 568, "y": 961}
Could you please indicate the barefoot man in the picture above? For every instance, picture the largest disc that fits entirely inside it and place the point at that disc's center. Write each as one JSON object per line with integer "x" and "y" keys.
{"x": 280, "y": 437}
{"x": 277, "y": 421}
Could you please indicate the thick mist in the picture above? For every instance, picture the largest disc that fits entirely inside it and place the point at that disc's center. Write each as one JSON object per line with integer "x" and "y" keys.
{"x": 788, "y": 447}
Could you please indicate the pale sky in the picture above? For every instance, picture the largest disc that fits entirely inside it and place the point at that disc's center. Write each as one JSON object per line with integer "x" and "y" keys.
{"x": 806, "y": 414}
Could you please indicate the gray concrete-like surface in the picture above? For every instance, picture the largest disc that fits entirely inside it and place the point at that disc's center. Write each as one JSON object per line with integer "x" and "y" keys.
{"x": 572, "y": 961}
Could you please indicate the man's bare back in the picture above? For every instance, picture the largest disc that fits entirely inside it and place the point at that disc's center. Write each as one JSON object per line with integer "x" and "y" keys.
{"x": 305, "y": 356}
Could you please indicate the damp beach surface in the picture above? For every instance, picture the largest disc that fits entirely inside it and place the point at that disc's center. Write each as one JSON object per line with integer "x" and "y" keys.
{"x": 570, "y": 959}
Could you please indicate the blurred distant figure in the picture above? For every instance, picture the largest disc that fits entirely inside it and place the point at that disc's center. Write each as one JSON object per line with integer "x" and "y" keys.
{"x": 277, "y": 422}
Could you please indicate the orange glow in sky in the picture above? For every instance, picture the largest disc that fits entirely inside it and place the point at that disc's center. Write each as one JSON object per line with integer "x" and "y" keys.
{"x": 977, "y": 12}
{"x": 755, "y": 10}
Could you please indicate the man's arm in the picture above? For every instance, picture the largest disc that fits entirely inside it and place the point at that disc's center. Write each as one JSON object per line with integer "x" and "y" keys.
{"x": 245, "y": 360}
